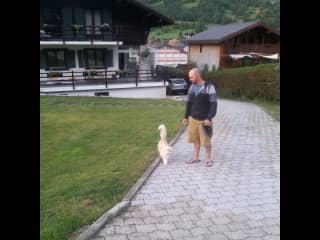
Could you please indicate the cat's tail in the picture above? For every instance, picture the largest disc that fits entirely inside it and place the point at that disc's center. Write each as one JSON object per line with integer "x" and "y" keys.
{"x": 163, "y": 132}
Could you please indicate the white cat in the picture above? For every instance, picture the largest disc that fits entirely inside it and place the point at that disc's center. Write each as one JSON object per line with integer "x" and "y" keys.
{"x": 163, "y": 147}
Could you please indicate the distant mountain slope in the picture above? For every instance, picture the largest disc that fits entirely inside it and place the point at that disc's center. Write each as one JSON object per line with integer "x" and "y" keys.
{"x": 219, "y": 11}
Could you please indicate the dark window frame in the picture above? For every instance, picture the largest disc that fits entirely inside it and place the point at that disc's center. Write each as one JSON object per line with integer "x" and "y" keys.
{"x": 86, "y": 57}
{"x": 47, "y": 13}
{"x": 270, "y": 38}
{"x": 65, "y": 67}
{"x": 93, "y": 24}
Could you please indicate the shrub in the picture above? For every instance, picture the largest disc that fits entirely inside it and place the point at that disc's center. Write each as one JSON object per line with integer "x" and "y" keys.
{"x": 206, "y": 68}
{"x": 255, "y": 82}
{"x": 90, "y": 73}
{"x": 54, "y": 74}
{"x": 170, "y": 72}
{"x": 145, "y": 53}
{"x": 123, "y": 72}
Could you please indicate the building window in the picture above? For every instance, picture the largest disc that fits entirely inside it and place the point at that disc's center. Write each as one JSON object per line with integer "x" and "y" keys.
{"x": 235, "y": 41}
{"x": 251, "y": 37}
{"x": 270, "y": 38}
{"x": 95, "y": 58}
{"x": 50, "y": 22}
{"x": 56, "y": 59}
{"x": 109, "y": 58}
{"x": 93, "y": 21}
{"x": 200, "y": 48}
{"x": 51, "y": 16}
{"x": 242, "y": 39}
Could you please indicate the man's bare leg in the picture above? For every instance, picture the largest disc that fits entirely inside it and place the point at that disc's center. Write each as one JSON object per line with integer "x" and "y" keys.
{"x": 196, "y": 151}
{"x": 208, "y": 155}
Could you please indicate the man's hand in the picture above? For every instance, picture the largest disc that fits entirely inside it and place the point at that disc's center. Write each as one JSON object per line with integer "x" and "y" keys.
{"x": 207, "y": 122}
{"x": 185, "y": 121}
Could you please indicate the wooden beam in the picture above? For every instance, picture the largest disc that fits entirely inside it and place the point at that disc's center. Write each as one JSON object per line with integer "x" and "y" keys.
{"x": 221, "y": 49}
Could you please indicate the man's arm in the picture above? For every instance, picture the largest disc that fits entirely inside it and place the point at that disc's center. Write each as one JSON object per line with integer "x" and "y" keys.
{"x": 188, "y": 104}
{"x": 212, "y": 110}
{"x": 188, "y": 109}
{"x": 213, "y": 103}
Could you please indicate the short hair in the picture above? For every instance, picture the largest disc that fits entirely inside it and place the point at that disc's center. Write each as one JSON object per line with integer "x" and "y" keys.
{"x": 196, "y": 70}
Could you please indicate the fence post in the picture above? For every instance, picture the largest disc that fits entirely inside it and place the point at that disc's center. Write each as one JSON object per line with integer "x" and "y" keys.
{"x": 73, "y": 86}
{"x": 92, "y": 33}
{"x": 105, "y": 76}
{"x": 136, "y": 76}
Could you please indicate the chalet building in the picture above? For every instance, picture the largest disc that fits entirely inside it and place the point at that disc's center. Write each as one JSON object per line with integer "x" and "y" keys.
{"x": 226, "y": 46}
{"x": 81, "y": 34}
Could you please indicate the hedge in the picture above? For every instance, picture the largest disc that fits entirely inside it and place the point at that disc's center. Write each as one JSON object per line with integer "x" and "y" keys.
{"x": 255, "y": 82}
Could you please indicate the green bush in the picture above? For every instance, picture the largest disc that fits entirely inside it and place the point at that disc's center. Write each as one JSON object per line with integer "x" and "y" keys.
{"x": 254, "y": 82}
{"x": 192, "y": 64}
{"x": 54, "y": 74}
{"x": 123, "y": 72}
{"x": 175, "y": 73}
{"x": 145, "y": 53}
{"x": 206, "y": 68}
{"x": 170, "y": 72}
{"x": 90, "y": 73}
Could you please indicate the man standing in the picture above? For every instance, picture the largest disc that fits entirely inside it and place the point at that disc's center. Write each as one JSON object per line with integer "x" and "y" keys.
{"x": 201, "y": 107}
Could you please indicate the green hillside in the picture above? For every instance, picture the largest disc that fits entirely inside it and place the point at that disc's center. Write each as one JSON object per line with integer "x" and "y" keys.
{"x": 197, "y": 15}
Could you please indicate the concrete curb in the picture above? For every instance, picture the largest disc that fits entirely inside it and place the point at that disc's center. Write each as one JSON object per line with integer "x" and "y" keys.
{"x": 97, "y": 90}
{"x": 94, "y": 228}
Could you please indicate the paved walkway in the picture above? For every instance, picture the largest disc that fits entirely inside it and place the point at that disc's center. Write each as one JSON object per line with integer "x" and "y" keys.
{"x": 237, "y": 198}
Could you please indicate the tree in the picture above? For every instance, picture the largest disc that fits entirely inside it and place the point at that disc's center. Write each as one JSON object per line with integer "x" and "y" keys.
{"x": 200, "y": 27}
{"x": 213, "y": 11}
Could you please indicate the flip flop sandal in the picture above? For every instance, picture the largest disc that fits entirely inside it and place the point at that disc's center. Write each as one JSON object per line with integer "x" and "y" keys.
{"x": 209, "y": 164}
{"x": 191, "y": 161}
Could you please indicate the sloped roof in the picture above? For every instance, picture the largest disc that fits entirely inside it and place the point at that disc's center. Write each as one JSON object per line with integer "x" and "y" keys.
{"x": 222, "y": 32}
{"x": 154, "y": 18}
{"x": 164, "y": 20}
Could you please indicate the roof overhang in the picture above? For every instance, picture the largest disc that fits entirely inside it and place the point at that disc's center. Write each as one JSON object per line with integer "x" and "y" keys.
{"x": 154, "y": 18}
{"x": 258, "y": 24}
{"x": 218, "y": 41}
{"x": 161, "y": 20}
{"x": 202, "y": 42}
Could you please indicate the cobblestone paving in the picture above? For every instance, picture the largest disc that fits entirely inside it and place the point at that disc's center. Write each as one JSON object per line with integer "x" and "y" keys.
{"x": 237, "y": 198}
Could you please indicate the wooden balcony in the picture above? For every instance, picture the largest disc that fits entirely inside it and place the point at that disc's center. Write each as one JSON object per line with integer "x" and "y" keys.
{"x": 246, "y": 48}
{"x": 125, "y": 33}
{"x": 74, "y": 33}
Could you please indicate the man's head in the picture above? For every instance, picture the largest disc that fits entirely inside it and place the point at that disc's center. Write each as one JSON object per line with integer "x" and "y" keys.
{"x": 195, "y": 75}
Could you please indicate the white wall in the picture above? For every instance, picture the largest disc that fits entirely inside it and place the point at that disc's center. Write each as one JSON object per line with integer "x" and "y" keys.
{"x": 210, "y": 55}
{"x": 167, "y": 56}
{"x": 115, "y": 59}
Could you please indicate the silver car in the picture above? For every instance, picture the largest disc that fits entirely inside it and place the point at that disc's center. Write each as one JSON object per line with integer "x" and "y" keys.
{"x": 176, "y": 85}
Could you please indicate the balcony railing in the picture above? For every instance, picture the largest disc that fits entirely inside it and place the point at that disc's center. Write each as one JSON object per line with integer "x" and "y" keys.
{"x": 101, "y": 76}
{"x": 76, "y": 33}
{"x": 245, "y": 48}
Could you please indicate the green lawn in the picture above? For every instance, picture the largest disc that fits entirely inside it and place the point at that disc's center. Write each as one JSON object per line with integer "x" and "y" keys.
{"x": 272, "y": 109}
{"x": 92, "y": 151}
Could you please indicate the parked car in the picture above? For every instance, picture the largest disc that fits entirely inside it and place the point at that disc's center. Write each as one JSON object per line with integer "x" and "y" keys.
{"x": 176, "y": 85}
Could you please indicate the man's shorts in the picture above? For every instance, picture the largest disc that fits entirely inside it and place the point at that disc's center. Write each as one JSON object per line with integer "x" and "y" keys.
{"x": 196, "y": 133}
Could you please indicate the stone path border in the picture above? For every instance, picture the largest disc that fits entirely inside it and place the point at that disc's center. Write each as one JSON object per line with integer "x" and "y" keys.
{"x": 87, "y": 232}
